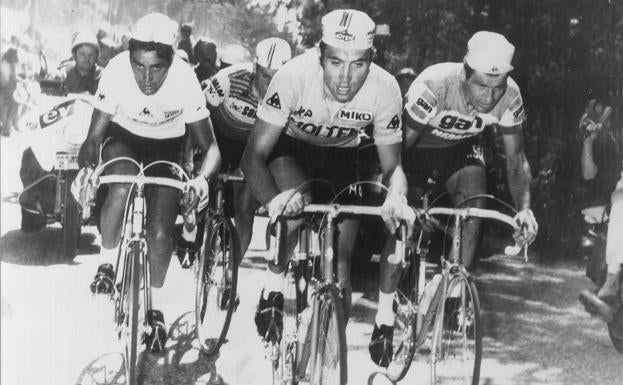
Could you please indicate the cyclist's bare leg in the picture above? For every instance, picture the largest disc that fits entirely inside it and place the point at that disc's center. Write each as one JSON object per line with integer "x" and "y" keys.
{"x": 162, "y": 208}
{"x": 111, "y": 215}
{"x": 245, "y": 206}
{"x": 348, "y": 230}
{"x": 467, "y": 182}
{"x": 287, "y": 174}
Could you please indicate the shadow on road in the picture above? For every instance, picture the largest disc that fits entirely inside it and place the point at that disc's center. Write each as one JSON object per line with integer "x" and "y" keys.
{"x": 41, "y": 248}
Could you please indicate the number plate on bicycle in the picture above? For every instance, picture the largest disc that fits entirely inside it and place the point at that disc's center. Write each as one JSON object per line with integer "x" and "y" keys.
{"x": 65, "y": 161}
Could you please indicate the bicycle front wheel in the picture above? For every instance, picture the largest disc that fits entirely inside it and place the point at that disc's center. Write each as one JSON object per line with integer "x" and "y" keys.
{"x": 457, "y": 334}
{"x": 216, "y": 280}
{"x": 132, "y": 311}
{"x": 330, "y": 355}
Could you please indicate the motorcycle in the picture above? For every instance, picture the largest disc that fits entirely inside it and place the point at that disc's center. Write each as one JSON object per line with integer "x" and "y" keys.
{"x": 50, "y": 164}
{"x": 593, "y": 247}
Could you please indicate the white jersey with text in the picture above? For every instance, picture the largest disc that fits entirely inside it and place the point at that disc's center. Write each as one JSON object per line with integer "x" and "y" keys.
{"x": 231, "y": 99}
{"x": 296, "y": 99}
{"x": 436, "y": 106}
{"x": 159, "y": 116}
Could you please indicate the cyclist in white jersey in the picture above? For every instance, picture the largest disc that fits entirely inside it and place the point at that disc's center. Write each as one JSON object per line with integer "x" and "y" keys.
{"x": 309, "y": 125}
{"x": 146, "y": 100}
{"x": 446, "y": 110}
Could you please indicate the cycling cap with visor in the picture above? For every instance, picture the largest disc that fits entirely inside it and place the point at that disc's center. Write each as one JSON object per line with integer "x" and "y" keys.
{"x": 489, "y": 53}
{"x": 272, "y": 53}
{"x": 157, "y": 28}
{"x": 84, "y": 37}
{"x": 348, "y": 28}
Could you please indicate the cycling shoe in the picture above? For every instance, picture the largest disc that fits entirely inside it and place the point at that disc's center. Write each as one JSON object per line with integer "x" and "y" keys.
{"x": 269, "y": 316}
{"x": 103, "y": 280}
{"x": 156, "y": 338}
{"x": 380, "y": 347}
{"x": 186, "y": 253}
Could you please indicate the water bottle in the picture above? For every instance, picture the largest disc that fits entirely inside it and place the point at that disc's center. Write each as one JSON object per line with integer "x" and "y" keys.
{"x": 304, "y": 321}
{"x": 427, "y": 295}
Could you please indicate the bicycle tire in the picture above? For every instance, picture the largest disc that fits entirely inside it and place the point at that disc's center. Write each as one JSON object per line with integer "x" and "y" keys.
{"x": 284, "y": 364}
{"x": 71, "y": 222}
{"x": 456, "y": 351}
{"x": 133, "y": 304}
{"x": 405, "y": 321}
{"x": 330, "y": 355}
{"x": 216, "y": 282}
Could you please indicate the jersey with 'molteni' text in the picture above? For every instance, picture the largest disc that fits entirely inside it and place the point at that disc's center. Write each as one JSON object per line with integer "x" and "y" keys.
{"x": 296, "y": 99}
{"x": 435, "y": 100}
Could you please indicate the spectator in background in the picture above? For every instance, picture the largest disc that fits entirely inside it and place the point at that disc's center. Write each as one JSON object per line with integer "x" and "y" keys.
{"x": 8, "y": 84}
{"x": 405, "y": 77}
{"x": 205, "y": 53}
{"x": 84, "y": 75}
{"x": 186, "y": 43}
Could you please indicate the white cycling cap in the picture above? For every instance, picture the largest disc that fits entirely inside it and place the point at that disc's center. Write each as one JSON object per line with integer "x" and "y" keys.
{"x": 84, "y": 37}
{"x": 272, "y": 53}
{"x": 490, "y": 53}
{"x": 155, "y": 27}
{"x": 348, "y": 28}
{"x": 234, "y": 54}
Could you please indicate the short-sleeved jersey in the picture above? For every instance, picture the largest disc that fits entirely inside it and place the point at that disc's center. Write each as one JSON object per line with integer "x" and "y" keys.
{"x": 159, "y": 116}
{"x": 435, "y": 100}
{"x": 231, "y": 99}
{"x": 296, "y": 99}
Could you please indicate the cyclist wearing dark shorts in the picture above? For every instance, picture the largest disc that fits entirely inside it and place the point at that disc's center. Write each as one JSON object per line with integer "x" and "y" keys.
{"x": 146, "y": 100}
{"x": 446, "y": 110}
{"x": 316, "y": 109}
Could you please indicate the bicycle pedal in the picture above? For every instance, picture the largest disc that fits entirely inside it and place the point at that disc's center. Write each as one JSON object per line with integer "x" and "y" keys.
{"x": 155, "y": 335}
{"x": 101, "y": 284}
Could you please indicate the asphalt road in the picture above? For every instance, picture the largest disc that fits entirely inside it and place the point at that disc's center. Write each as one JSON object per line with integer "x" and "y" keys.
{"x": 54, "y": 332}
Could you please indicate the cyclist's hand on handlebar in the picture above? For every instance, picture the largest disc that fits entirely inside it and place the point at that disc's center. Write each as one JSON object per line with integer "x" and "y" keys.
{"x": 287, "y": 204}
{"x": 396, "y": 209}
{"x": 88, "y": 156}
{"x": 528, "y": 227}
{"x": 200, "y": 186}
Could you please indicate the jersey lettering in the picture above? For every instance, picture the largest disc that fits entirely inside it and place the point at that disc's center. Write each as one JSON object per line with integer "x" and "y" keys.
{"x": 324, "y": 131}
{"x": 274, "y": 101}
{"x": 447, "y": 135}
{"x": 422, "y": 103}
{"x": 56, "y": 113}
{"x": 303, "y": 112}
{"x": 354, "y": 115}
{"x": 449, "y": 122}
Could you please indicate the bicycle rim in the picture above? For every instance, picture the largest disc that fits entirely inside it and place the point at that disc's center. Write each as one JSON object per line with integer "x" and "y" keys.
{"x": 216, "y": 280}
{"x": 330, "y": 356}
{"x": 457, "y": 335}
{"x": 404, "y": 326}
{"x": 131, "y": 321}
{"x": 284, "y": 363}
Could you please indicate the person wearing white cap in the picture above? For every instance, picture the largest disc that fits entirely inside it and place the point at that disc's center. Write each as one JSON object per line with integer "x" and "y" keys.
{"x": 232, "y": 97}
{"x": 146, "y": 100}
{"x": 447, "y": 108}
{"x": 84, "y": 75}
{"x": 317, "y": 109}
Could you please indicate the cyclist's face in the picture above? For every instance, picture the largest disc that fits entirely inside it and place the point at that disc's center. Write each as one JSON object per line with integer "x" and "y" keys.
{"x": 345, "y": 71}
{"x": 484, "y": 91}
{"x": 149, "y": 70}
{"x": 85, "y": 57}
{"x": 263, "y": 76}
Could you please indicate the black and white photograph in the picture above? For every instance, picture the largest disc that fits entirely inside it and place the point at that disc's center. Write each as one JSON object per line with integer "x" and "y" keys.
{"x": 311, "y": 192}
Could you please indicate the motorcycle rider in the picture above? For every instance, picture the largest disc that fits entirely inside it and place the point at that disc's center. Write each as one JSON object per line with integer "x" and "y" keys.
{"x": 84, "y": 75}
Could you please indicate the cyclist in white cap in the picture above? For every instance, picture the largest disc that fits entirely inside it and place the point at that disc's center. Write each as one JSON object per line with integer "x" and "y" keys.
{"x": 316, "y": 109}
{"x": 447, "y": 108}
{"x": 233, "y": 95}
{"x": 146, "y": 100}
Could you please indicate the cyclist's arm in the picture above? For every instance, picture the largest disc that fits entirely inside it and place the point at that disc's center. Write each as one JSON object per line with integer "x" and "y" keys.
{"x": 393, "y": 175}
{"x": 587, "y": 163}
{"x": 203, "y": 136}
{"x": 89, "y": 151}
{"x": 518, "y": 171}
{"x": 412, "y": 132}
{"x": 263, "y": 139}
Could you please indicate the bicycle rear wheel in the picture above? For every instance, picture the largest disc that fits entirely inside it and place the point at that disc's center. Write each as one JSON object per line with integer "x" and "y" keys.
{"x": 216, "y": 280}
{"x": 457, "y": 334}
{"x": 404, "y": 326}
{"x": 132, "y": 304}
{"x": 330, "y": 356}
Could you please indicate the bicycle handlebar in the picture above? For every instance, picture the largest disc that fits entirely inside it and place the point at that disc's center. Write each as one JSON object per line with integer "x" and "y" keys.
{"x": 144, "y": 180}
{"x": 227, "y": 177}
{"x": 474, "y": 212}
{"x": 336, "y": 209}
